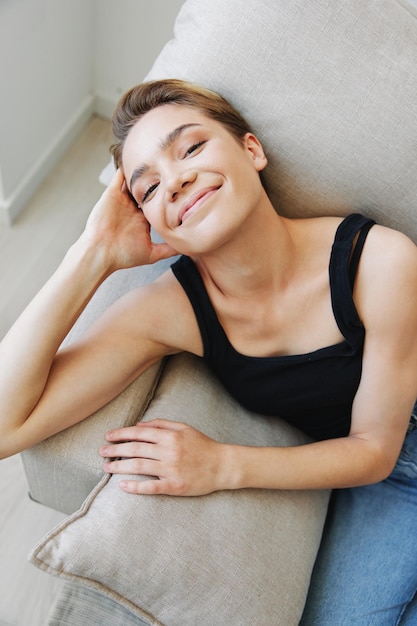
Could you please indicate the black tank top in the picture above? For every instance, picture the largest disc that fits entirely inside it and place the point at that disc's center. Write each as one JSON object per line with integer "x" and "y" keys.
{"x": 313, "y": 391}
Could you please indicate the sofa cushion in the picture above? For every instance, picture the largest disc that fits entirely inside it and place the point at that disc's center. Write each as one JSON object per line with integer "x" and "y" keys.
{"x": 206, "y": 560}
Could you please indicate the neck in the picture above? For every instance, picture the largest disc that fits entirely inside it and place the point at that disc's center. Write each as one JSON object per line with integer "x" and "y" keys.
{"x": 261, "y": 256}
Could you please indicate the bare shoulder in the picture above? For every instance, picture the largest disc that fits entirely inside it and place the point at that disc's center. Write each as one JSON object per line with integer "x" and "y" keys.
{"x": 387, "y": 278}
{"x": 390, "y": 251}
{"x": 160, "y": 312}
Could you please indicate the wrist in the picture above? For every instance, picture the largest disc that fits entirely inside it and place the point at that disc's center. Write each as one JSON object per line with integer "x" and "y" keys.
{"x": 232, "y": 467}
{"x": 91, "y": 256}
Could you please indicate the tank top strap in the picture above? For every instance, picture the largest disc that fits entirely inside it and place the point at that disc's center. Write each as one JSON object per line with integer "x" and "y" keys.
{"x": 189, "y": 277}
{"x": 357, "y": 251}
{"x": 344, "y": 262}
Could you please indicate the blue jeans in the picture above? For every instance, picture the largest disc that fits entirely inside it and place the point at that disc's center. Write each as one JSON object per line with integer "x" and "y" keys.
{"x": 366, "y": 570}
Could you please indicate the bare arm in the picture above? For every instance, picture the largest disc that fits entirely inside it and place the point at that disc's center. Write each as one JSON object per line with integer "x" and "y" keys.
{"x": 42, "y": 392}
{"x": 191, "y": 463}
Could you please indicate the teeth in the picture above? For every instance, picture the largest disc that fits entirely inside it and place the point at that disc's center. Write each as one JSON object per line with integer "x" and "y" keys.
{"x": 197, "y": 199}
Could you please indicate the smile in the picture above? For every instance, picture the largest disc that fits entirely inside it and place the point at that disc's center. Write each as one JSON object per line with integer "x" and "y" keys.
{"x": 195, "y": 202}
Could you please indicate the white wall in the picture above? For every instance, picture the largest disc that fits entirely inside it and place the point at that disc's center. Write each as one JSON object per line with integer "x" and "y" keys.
{"x": 129, "y": 36}
{"x": 62, "y": 60}
{"x": 46, "y": 70}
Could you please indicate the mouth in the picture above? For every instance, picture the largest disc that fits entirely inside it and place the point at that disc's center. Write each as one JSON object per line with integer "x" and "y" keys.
{"x": 195, "y": 202}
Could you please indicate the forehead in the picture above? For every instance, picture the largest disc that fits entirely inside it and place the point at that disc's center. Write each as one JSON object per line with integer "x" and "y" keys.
{"x": 148, "y": 134}
{"x": 154, "y": 126}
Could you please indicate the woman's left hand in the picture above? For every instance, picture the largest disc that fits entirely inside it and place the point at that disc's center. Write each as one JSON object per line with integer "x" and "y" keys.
{"x": 178, "y": 459}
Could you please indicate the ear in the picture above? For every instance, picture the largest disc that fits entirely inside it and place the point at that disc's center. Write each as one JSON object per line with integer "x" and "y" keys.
{"x": 254, "y": 148}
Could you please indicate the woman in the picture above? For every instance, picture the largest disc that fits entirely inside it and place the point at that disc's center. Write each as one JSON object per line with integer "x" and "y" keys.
{"x": 251, "y": 294}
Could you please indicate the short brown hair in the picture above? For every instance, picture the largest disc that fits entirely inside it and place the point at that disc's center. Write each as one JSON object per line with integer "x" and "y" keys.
{"x": 148, "y": 96}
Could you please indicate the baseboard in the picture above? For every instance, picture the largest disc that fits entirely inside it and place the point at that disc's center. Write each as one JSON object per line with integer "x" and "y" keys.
{"x": 11, "y": 206}
{"x": 104, "y": 106}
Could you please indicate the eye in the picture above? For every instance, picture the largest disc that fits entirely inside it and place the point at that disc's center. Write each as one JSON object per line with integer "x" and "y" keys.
{"x": 148, "y": 192}
{"x": 194, "y": 148}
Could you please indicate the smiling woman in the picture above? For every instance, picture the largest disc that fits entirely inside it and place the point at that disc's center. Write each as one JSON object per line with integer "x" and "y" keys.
{"x": 179, "y": 153}
{"x": 165, "y": 145}
{"x": 146, "y": 97}
{"x": 314, "y": 320}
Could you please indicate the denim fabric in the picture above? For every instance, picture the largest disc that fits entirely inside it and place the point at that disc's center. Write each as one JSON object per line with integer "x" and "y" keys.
{"x": 366, "y": 570}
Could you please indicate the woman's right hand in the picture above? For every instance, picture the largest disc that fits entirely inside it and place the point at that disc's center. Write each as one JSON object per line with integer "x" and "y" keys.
{"x": 121, "y": 232}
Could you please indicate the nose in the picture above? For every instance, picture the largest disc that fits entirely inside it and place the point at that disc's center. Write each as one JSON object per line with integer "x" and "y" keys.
{"x": 178, "y": 181}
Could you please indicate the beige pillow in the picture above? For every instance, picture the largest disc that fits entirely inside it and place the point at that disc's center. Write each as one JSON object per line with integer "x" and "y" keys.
{"x": 242, "y": 557}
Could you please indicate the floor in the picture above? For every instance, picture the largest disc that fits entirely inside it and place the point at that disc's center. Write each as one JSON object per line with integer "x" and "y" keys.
{"x": 30, "y": 250}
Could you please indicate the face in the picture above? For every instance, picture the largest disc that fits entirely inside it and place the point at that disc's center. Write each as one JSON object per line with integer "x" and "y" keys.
{"x": 194, "y": 181}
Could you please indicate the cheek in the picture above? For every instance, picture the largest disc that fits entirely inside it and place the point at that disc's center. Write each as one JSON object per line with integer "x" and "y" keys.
{"x": 245, "y": 178}
{"x": 150, "y": 215}
{"x": 155, "y": 217}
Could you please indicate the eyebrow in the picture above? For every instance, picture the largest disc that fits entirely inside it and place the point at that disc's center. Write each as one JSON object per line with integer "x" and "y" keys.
{"x": 164, "y": 145}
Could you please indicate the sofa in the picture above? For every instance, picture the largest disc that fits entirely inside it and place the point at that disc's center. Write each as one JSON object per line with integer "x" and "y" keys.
{"x": 330, "y": 88}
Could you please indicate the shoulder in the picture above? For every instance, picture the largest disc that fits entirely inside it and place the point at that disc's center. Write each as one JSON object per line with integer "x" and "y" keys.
{"x": 389, "y": 257}
{"x": 387, "y": 279}
{"x": 394, "y": 239}
{"x": 161, "y": 312}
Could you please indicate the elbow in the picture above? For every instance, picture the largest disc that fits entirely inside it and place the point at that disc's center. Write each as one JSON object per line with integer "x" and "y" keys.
{"x": 9, "y": 444}
{"x": 4, "y": 444}
{"x": 373, "y": 458}
{"x": 387, "y": 468}
{"x": 374, "y": 463}
{"x": 381, "y": 467}
{"x": 4, "y": 451}
{"x": 381, "y": 473}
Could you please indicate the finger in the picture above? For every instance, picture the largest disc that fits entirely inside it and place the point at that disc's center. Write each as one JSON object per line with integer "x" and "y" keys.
{"x": 162, "y": 251}
{"x": 128, "y": 193}
{"x": 144, "y": 431}
{"x": 142, "y": 467}
{"x": 129, "y": 449}
{"x": 118, "y": 180}
{"x": 133, "y": 433}
{"x": 160, "y": 423}
{"x": 147, "y": 487}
